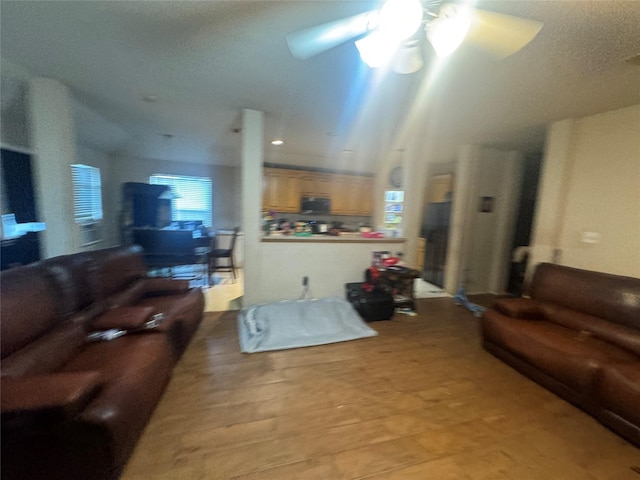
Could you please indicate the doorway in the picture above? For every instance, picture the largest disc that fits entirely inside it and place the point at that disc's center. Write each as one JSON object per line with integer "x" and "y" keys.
{"x": 524, "y": 222}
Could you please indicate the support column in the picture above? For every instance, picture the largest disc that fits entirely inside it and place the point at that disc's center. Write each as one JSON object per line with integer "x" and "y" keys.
{"x": 53, "y": 142}
{"x": 252, "y": 159}
{"x": 459, "y": 229}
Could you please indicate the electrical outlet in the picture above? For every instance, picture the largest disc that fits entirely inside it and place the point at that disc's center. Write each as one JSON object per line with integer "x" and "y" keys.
{"x": 305, "y": 281}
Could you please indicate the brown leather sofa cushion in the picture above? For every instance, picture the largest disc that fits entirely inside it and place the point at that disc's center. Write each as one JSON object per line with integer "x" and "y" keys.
{"x": 611, "y": 297}
{"x": 146, "y": 287}
{"x": 182, "y": 314}
{"x": 73, "y": 281}
{"x": 164, "y": 286}
{"x": 27, "y": 309}
{"x": 134, "y": 370}
{"x": 116, "y": 268}
{"x": 619, "y": 389}
{"x": 125, "y": 318}
{"x": 571, "y": 357}
{"x": 127, "y": 297}
{"x": 49, "y": 397}
{"x": 519, "y": 308}
{"x": 614, "y": 333}
{"x": 47, "y": 353}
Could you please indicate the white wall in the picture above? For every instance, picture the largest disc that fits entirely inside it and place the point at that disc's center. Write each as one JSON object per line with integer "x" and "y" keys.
{"x": 53, "y": 142}
{"x": 227, "y": 195}
{"x": 14, "y": 128}
{"x": 328, "y": 265}
{"x": 479, "y": 249}
{"x": 591, "y": 183}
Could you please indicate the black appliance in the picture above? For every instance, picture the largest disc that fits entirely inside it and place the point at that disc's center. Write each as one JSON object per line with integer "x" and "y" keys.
{"x": 319, "y": 227}
{"x": 315, "y": 205}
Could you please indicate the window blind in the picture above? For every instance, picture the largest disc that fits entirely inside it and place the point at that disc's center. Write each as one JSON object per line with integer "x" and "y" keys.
{"x": 192, "y": 197}
{"x": 87, "y": 194}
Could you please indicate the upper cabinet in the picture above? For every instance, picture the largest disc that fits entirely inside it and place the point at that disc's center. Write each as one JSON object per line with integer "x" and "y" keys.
{"x": 440, "y": 188}
{"x": 349, "y": 194}
{"x": 281, "y": 190}
{"x": 316, "y": 184}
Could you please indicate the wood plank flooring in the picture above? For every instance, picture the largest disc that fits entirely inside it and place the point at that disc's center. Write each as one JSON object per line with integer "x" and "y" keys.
{"x": 422, "y": 400}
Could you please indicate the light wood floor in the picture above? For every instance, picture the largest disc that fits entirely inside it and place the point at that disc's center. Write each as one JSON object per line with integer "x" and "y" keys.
{"x": 422, "y": 400}
{"x": 226, "y": 295}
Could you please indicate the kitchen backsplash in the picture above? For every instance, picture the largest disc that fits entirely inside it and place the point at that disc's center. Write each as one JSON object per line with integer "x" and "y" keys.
{"x": 352, "y": 222}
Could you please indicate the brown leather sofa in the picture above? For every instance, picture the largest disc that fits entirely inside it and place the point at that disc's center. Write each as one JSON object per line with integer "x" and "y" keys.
{"x": 578, "y": 335}
{"x": 73, "y": 402}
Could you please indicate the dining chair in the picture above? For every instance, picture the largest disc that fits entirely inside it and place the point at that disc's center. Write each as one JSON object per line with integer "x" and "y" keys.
{"x": 223, "y": 253}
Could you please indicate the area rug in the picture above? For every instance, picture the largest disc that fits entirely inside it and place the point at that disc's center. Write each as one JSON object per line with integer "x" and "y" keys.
{"x": 299, "y": 323}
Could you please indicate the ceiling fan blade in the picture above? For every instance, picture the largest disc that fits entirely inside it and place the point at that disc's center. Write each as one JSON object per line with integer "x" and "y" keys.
{"x": 312, "y": 41}
{"x": 499, "y": 34}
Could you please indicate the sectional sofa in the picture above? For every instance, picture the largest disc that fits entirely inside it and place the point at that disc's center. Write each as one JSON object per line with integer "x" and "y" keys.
{"x": 88, "y": 344}
{"x": 577, "y": 334}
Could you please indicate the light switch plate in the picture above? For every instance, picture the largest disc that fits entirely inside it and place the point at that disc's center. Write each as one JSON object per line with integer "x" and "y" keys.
{"x": 590, "y": 237}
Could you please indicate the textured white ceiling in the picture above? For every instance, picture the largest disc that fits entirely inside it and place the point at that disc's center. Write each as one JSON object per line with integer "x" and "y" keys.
{"x": 205, "y": 61}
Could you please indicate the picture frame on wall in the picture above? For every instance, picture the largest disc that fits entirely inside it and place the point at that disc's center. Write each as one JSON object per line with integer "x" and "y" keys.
{"x": 486, "y": 204}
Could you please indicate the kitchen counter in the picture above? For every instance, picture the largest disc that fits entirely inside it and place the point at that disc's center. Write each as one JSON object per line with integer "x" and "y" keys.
{"x": 328, "y": 262}
{"x": 331, "y": 239}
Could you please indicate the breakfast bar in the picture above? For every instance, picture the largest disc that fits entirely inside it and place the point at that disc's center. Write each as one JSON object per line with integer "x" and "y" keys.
{"x": 328, "y": 262}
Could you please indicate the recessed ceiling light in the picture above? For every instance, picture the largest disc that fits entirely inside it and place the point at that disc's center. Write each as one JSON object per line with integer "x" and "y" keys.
{"x": 150, "y": 98}
{"x": 277, "y": 142}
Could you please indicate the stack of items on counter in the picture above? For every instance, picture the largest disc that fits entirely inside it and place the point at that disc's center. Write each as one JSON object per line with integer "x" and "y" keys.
{"x": 306, "y": 228}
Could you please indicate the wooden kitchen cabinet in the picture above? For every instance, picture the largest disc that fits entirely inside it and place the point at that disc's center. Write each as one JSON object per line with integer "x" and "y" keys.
{"x": 440, "y": 187}
{"x": 315, "y": 184}
{"x": 349, "y": 194}
{"x": 281, "y": 190}
{"x": 364, "y": 195}
{"x": 340, "y": 197}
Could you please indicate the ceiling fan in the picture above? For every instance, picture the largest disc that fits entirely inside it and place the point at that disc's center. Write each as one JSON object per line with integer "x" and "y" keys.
{"x": 394, "y": 30}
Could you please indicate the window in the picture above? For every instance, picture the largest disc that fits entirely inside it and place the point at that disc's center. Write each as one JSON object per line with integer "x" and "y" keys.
{"x": 192, "y": 197}
{"x": 87, "y": 194}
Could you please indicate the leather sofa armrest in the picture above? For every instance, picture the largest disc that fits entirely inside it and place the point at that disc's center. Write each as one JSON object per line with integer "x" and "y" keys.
{"x": 45, "y": 398}
{"x": 164, "y": 286}
{"x": 123, "y": 318}
{"x": 524, "y": 308}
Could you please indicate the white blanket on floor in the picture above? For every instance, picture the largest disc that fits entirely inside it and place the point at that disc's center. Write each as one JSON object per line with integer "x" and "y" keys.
{"x": 299, "y": 323}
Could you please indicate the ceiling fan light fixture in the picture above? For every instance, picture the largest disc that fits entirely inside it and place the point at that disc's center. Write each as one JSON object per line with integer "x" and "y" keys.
{"x": 375, "y": 49}
{"x": 447, "y": 32}
{"x": 408, "y": 59}
{"x": 400, "y": 19}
